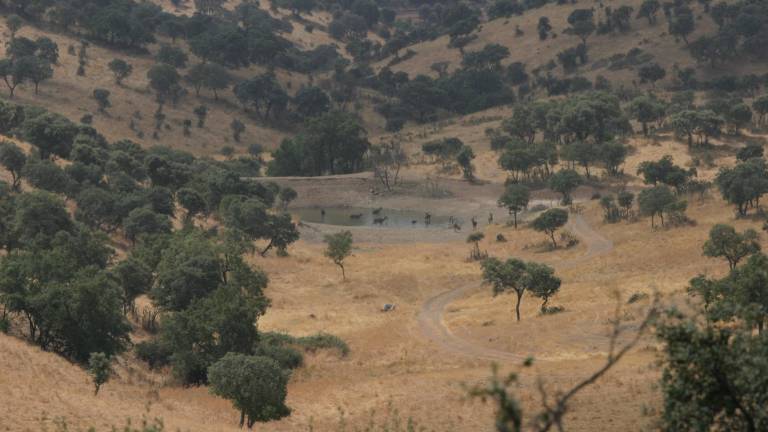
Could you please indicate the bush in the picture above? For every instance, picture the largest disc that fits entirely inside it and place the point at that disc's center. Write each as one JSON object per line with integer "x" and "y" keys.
{"x": 636, "y": 297}
{"x": 551, "y": 310}
{"x": 310, "y": 343}
{"x": 568, "y": 239}
{"x": 287, "y": 357}
{"x": 323, "y": 341}
{"x": 155, "y": 353}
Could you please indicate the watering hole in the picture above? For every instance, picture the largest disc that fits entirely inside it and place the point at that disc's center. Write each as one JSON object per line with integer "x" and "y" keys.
{"x": 361, "y": 216}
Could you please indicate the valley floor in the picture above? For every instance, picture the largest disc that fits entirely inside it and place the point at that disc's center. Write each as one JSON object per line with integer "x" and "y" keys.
{"x": 443, "y": 337}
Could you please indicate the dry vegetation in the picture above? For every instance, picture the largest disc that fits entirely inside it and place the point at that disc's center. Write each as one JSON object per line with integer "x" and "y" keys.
{"x": 392, "y": 361}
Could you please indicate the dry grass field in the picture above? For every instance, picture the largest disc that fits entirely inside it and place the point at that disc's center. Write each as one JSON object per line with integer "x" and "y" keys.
{"x": 398, "y": 369}
{"x": 392, "y": 361}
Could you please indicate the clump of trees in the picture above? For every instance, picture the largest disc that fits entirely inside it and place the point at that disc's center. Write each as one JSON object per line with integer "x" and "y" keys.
{"x": 580, "y": 130}
{"x": 28, "y": 61}
{"x": 518, "y": 277}
{"x": 333, "y": 143}
{"x": 744, "y": 184}
{"x": 714, "y": 355}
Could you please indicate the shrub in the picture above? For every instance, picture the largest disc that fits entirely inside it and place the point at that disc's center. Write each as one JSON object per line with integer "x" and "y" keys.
{"x": 551, "y": 310}
{"x": 323, "y": 341}
{"x": 155, "y": 353}
{"x": 636, "y": 297}
{"x": 287, "y": 357}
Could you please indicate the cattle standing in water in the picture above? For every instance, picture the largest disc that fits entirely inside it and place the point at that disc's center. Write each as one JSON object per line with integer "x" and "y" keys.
{"x": 377, "y": 211}
{"x": 356, "y": 216}
{"x": 380, "y": 221}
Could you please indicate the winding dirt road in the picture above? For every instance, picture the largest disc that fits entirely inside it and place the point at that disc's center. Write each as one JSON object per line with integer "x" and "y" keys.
{"x": 430, "y": 317}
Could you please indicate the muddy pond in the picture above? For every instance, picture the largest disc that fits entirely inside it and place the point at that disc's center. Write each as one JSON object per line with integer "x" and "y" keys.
{"x": 360, "y": 216}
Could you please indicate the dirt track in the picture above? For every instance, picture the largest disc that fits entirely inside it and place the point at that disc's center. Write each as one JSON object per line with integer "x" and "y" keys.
{"x": 430, "y": 317}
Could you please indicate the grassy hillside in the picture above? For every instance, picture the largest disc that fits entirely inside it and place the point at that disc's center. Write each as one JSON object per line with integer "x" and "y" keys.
{"x": 193, "y": 246}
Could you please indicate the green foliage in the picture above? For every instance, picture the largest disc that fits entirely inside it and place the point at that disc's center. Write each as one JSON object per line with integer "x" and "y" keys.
{"x": 464, "y": 159}
{"x": 52, "y": 134}
{"x": 743, "y": 184}
{"x": 100, "y": 368}
{"x": 211, "y": 327}
{"x": 333, "y": 143}
{"x": 564, "y": 182}
{"x": 656, "y": 201}
{"x": 13, "y": 159}
{"x": 164, "y": 79}
{"x": 144, "y": 220}
{"x": 134, "y": 279}
{"x": 155, "y": 353}
{"x": 46, "y": 175}
{"x": 665, "y": 171}
{"x": 102, "y": 98}
{"x": 542, "y": 282}
{"x": 255, "y": 385}
{"x": 716, "y": 372}
{"x": 682, "y": 22}
{"x": 172, "y": 55}
{"x": 120, "y": 69}
{"x": 517, "y": 276}
{"x": 646, "y": 109}
{"x": 515, "y": 199}
{"x": 550, "y": 221}
{"x": 311, "y": 102}
{"x": 725, "y": 242}
{"x": 651, "y": 73}
{"x": 339, "y": 247}
{"x": 210, "y": 76}
{"x": 189, "y": 269}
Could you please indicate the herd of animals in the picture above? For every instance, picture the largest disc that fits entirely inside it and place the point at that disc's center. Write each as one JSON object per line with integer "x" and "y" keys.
{"x": 453, "y": 223}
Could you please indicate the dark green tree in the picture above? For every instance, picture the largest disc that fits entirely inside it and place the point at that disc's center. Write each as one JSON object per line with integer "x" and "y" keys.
{"x": 725, "y": 242}
{"x": 257, "y": 387}
{"x": 515, "y": 199}
{"x": 120, "y": 69}
{"x": 550, "y": 221}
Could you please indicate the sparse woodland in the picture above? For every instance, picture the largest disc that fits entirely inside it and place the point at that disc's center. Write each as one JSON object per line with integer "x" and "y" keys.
{"x": 162, "y": 163}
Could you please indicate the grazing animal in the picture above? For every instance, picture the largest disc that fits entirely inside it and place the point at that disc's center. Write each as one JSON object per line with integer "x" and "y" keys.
{"x": 356, "y": 216}
{"x": 377, "y": 211}
{"x": 413, "y": 222}
{"x": 427, "y": 218}
{"x": 490, "y": 218}
{"x": 456, "y": 227}
{"x": 322, "y": 213}
{"x": 500, "y": 238}
{"x": 380, "y": 220}
{"x": 388, "y": 307}
{"x": 474, "y": 223}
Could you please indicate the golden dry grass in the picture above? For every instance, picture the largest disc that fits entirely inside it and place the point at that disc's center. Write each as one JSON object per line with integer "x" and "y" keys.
{"x": 391, "y": 360}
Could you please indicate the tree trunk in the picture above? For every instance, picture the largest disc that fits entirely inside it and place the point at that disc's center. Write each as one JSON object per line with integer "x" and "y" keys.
{"x": 263, "y": 253}
{"x": 343, "y": 274}
{"x": 552, "y": 236}
{"x": 515, "y": 218}
{"x": 517, "y": 305}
